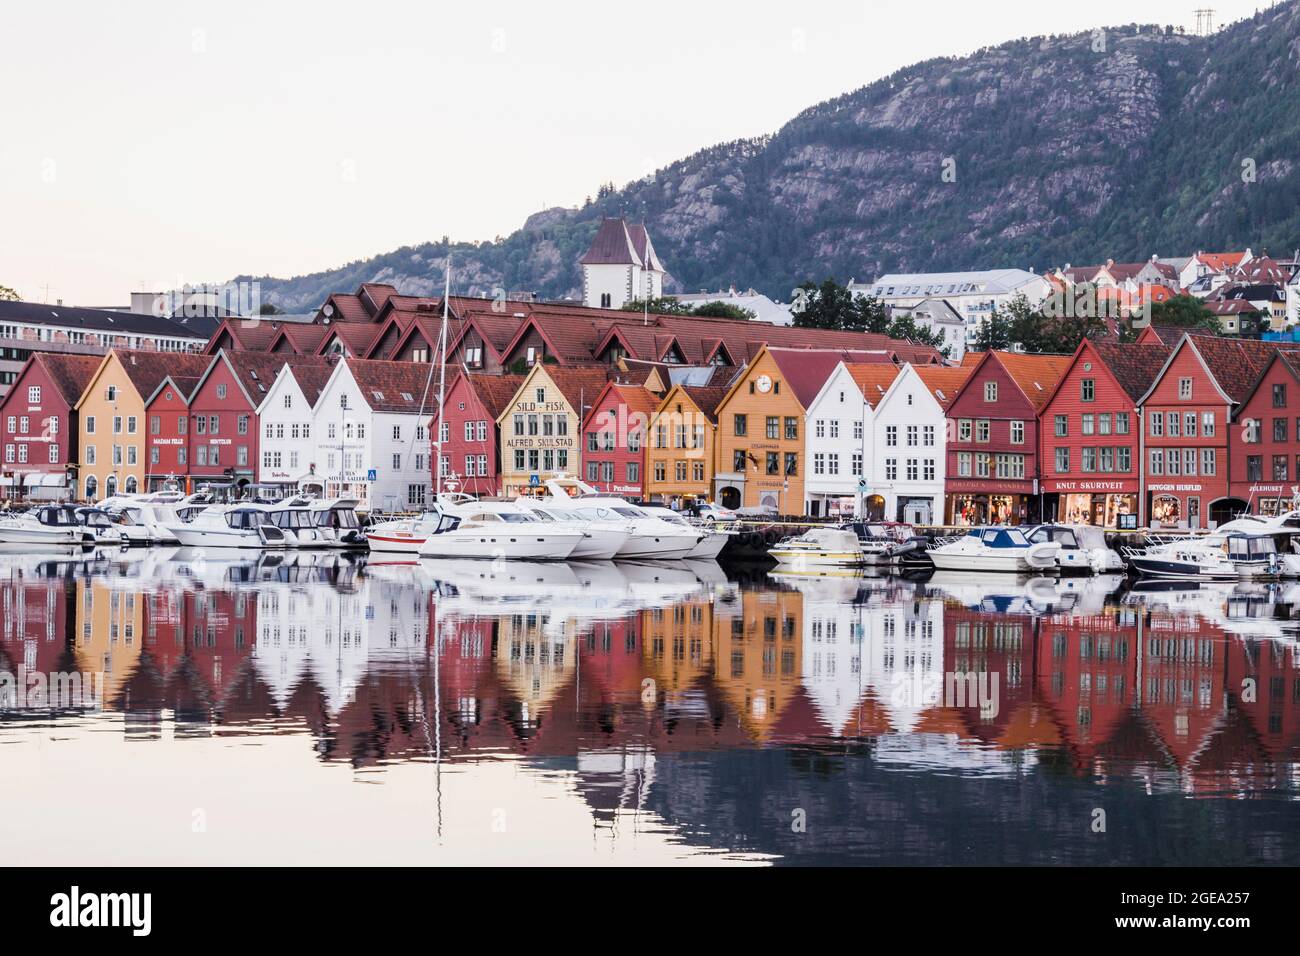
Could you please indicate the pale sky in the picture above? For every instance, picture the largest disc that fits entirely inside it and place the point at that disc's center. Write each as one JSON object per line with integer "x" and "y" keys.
{"x": 154, "y": 143}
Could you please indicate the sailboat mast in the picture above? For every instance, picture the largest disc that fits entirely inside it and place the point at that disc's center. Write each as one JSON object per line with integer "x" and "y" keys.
{"x": 441, "y": 358}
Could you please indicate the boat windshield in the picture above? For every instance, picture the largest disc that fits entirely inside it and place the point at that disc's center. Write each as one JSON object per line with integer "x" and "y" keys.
{"x": 629, "y": 512}
{"x": 1004, "y": 538}
{"x": 337, "y": 518}
{"x": 1062, "y": 536}
{"x": 247, "y": 518}
{"x": 59, "y": 516}
{"x": 516, "y": 517}
{"x": 292, "y": 518}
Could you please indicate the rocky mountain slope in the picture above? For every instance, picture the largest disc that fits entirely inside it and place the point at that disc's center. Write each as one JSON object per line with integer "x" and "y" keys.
{"x": 1120, "y": 143}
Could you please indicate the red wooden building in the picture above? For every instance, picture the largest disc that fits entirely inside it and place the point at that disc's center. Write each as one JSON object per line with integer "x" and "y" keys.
{"x": 1089, "y": 432}
{"x": 993, "y": 465}
{"x": 1264, "y": 443}
{"x": 38, "y": 425}
{"x": 614, "y": 436}
{"x": 471, "y": 442}
{"x": 1187, "y": 412}
{"x": 167, "y": 413}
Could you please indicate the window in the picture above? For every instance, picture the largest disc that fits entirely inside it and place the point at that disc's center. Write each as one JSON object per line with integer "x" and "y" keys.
{"x": 1088, "y": 426}
{"x": 857, "y": 463}
{"x": 90, "y": 424}
{"x": 1121, "y": 423}
{"x": 221, "y": 391}
{"x": 54, "y": 453}
{"x": 738, "y": 460}
{"x": 928, "y": 436}
{"x": 891, "y": 469}
{"x": 990, "y": 391}
{"x": 791, "y": 429}
{"x": 155, "y": 425}
{"x": 982, "y": 430}
{"x": 1088, "y": 460}
{"x": 773, "y": 463}
{"x": 791, "y": 463}
{"x": 1174, "y": 419}
{"x": 1184, "y": 388}
{"x": 1062, "y": 428}
{"x": 835, "y": 428}
{"x": 891, "y": 435}
{"x": 963, "y": 429}
{"x": 288, "y": 401}
{"x": 773, "y": 427}
{"x": 1250, "y": 431}
{"x": 1063, "y": 460}
{"x": 1279, "y": 463}
{"x": 1207, "y": 461}
{"x": 90, "y": 454}
{"x": 1123, "y": 458}
{"x": 1207, "y": 427}
{"x": 1279, "y": 398}
{"x": 1189, "y": 461}
{"x": 1254, "y": 468}
{"x": 1157, "y": 425}
{"x": 820, "y": 431}
{"x": 1279, "y": 429}
{"x": 819, "y": 464}
{"x": 397, "y": 462}
{"x": 117, "y": 424}
{"x": 660, "y": 471}
{"x": 857, "y": 429}
{"x": 33, "y": 395}
{"x": 963, "y": 463}
{"x": 740, "y": 425}
{"x": 1017, "y": 433}
{"x": 214, "y": 424}
{"x": 1157, "y": 461}
{"x": 1087, "y": 389}
{"x": 415, "y": 495}
{"x": 397, "y": 432}
{"x": 1189, "y": 425}
{"x": 1173, "y": 462}
{"x": 1106, "y": 458}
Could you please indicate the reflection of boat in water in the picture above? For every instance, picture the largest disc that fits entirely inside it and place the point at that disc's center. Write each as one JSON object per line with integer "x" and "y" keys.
{"x": 999, "y": 593}
{"x": 1246, "y": 609}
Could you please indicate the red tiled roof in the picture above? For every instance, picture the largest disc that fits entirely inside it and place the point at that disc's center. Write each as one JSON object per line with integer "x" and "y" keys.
{"x": 256, "y": 371}
{"x": 1135, "y": 367}
{"x": 396, "y": 386}
{"x": 943, "y": 382}
{"x": 495, "y": 391}
{"x": 356, "y": 337}
{"x": 578, "y": 384}
{"x": 636, "y": 398}
{"x": 69, "y": 373}
{"x": 1035, "y": 375}
{"x": 873, "y": 379}
{"x": 707, "y": 398}
{"x": 303, "y": 338}
{"x": 146, "y": 369}
{"x": 311, "y": 378}
{"x": 254, "y": 335}
{"x": 808, "y": 369}
{"x": 1236, "y": 364}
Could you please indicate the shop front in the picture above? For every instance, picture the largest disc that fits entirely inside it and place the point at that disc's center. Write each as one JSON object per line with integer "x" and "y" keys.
{"x": 970, "y": 503}
{"x": 1268, "y": 500}
{"x": 1178, "y": 505}
{"x": 1107, "y": 504}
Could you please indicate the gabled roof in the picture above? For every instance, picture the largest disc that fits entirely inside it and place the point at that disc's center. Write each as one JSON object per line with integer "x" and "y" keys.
{"x": 1261, "y": 270}
{"x": 1035, "y": 375}
{"x": 806, "y": 370}
{"x": 311, "y": 378}
{"x": 396, "y": 387}
{"x": 1234, "y": 365}
{"x": 943, "y": 382}
{"x": 872, "y": 379}
{"x": 249, "y": 335}
{"x": 183, "y": 384}
{"x": 356, "y": 337}
{"x": 494, "y": 391}
{"x": 1220, "y": 261}
{"x": 707, "y": 398}
{"x": 1290, "y": 360}
{"x": 644, "y": 247}
{"x": 634, "y": 398}
{"x": 579, "y": 385}
{"x": 255, "y": 372}
{"x": 1134, "y": 367}
{"x": 301, "y": 337}
{"x": 69, "y": 373}
{"x": 146, "y": 370}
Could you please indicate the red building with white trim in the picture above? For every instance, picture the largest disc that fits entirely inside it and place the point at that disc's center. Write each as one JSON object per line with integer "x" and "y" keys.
{"x": 38, "y": 426}
{"x": 614, "y": 439}
{"x": 1187, "y": 414}
{"x": 471, "y": 439}
{"x": 1090, "y": 434}
{"x": 993, "y": 465}
{"x": 1264, "y": 443}
{"x": 167, "y": 451}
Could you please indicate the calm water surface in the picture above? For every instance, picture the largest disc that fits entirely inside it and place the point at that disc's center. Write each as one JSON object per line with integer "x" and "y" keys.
{"x": 323, "y": 709}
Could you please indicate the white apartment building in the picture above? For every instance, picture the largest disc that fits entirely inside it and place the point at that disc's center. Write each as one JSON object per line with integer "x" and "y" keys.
{"x": 285, "y": 417}
{"x": 837, "y": 430}
{"x": 370, "y": 435}
{"x": 974, "y": 295}
{"x": 906, "y": 468}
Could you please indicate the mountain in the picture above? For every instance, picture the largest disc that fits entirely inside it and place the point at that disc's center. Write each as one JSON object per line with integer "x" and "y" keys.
{"x": 1122, "y": 143}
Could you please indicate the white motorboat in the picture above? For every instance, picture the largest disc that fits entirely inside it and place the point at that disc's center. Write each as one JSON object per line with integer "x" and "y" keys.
{"x": 818, "y": 547}
{"x": 994, "y": 549}
{"x": 714, "y": 539}
{"x": 887, "y": 542}
{"x": 230, "y": 526}
{"x": 338, "y": 516}
{"x": 140, "y": 520}
{"x": 402, "y": 535}
{"x": 601, "y": 540}
{"x": 649, "y": 538}
{"x": 102, "y": 525}
{"x": 54, "y": 525}
{"x": 1216, "y": 556}
{"x": 295, "y": 518}
{"x": 498, "y": 533}
{"x": 1083, "y": 547}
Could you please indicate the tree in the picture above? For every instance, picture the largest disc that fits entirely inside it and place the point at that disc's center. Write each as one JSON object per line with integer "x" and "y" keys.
{"x": 668, "y": 305}
{"x": 1019, "y": 323}
{"x": 9, "y": 295}
{"x": 723, "y": 310}
{"x": 266, "y": 308}
{"x": 832, "y": 306}
{"x": 1185, "y": 311}
{"x": 994, "y": 333}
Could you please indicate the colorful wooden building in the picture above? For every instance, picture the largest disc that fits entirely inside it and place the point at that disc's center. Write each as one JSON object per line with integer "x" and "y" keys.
{"x": 681, "y": 456}
{"x": 540, "y": 426}
{"x": 614, "y": 439}
{"x": 1090, "y": 435}
{"x": 993, "y": 453}
{"x": 39, "y": 425}
{"x": 471, "y": 435}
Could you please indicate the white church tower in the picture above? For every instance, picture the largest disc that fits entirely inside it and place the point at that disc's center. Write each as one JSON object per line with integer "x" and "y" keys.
{"x": 621, "y": 266}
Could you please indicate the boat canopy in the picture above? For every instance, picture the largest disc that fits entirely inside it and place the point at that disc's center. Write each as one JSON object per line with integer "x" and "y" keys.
{"x": 1001, "y": 537}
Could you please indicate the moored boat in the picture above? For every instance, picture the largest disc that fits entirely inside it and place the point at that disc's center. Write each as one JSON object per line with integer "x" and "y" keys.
{"x": 819, "y": 547}
{"x": 994, "y": 549}
{"x": 46, "y": 525}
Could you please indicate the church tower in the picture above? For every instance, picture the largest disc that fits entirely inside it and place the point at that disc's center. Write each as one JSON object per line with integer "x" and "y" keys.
{"x": 621, "y": 266}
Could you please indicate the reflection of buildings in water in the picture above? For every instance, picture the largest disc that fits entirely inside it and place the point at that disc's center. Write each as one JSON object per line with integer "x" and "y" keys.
{"x": 535, "y": 659}
{"x": 757, "y": 661}
{"x": 108, "y": 633}
{"x": 904, "y": 658}
{"x": 678, "y": 645}
{"x": 34, "y": 627}
{"x": 614, "y": 780}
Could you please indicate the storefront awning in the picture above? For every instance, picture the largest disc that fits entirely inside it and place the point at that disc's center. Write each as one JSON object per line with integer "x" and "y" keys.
{"x": 9, "y": 481}
{"x": 45, "y": 479}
